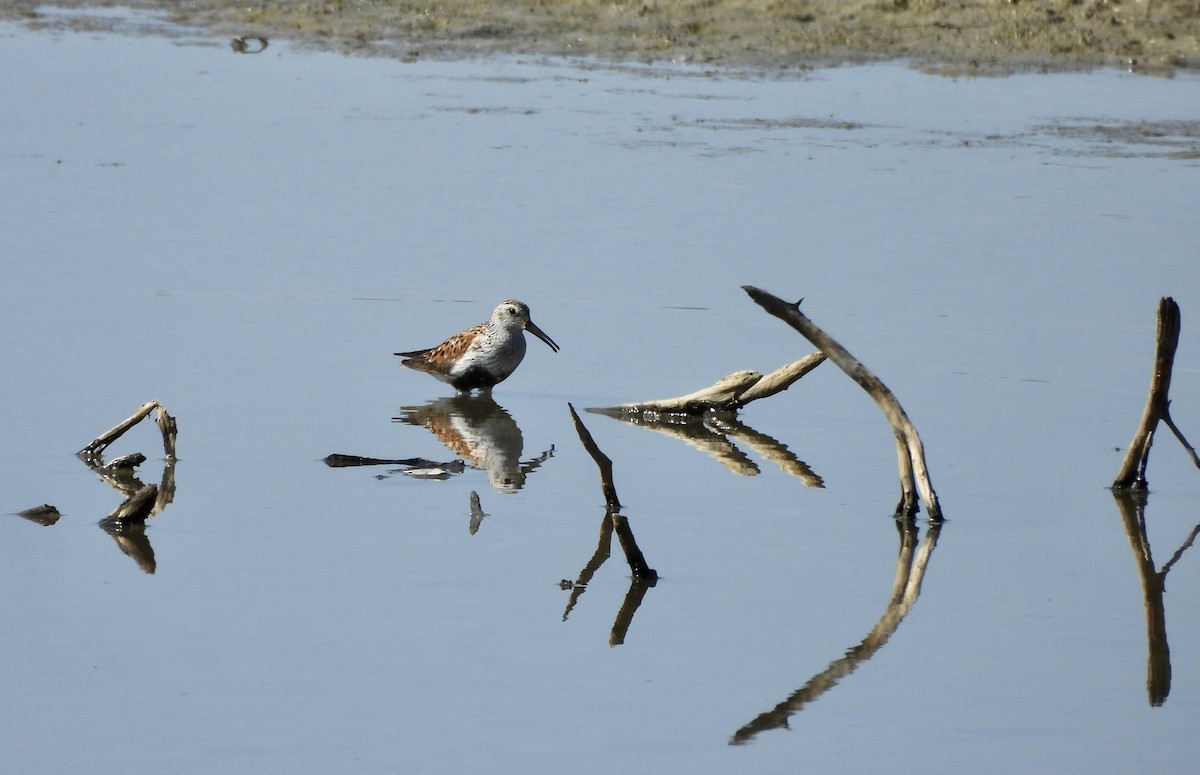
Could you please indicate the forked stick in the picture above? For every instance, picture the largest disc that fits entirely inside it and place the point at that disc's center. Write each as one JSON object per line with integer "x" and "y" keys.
{"x": 166, "y": 424}
{"x": 1132, "y": 475}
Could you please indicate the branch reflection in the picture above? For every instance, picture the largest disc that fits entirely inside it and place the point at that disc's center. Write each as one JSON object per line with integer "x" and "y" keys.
{"x": 126, "y": 524}
{"x": 714, "y": 433}
{"x": 481, "y": 432}
{"x": 1131, "y": 505}
{"x": 906, "y": 588}
{"x": 643, "y": 576}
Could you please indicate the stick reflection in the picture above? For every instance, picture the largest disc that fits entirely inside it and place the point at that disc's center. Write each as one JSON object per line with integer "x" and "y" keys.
{"x": 1131, "y": 504}
{"x": 126, "y": 525}
{"x": 715, "y": 432}
{"x": 643, "y": 576}
{"x": 910, "y": 572}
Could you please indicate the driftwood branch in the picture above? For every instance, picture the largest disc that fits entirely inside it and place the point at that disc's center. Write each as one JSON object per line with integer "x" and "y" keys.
{"x": 1132, "y": 474}
{"x": 337, "y": 460}
{"x": 707, "y": 418}
{"x": 127, "y": 522}
{"x": 727, "y": 394}
{"x": 603, "y": 462}
{"x": 166, "y": 424}
{"x": 135, "y": 508}
{"x": 914, "y": 476}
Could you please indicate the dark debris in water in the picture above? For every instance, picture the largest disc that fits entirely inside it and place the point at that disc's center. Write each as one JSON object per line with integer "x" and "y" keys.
{"x": 44, "y": 515}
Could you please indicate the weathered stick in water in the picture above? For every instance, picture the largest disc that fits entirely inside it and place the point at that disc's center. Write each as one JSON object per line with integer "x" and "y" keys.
{"x": 166, "y": 424}
{"x": 170, "y": 429}
{"x": 342, "y": 461}
{"x": 603, "y": 462}
{"x": 136, "y": 508}
{"x": 914, "y": 476}
{"x": 729, "y": 393}
{"x": 633, "y": 555}
{"x": 1132, "y": 474}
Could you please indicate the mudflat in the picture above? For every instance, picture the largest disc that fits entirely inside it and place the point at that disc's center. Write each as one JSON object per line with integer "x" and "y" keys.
{"x": 984, "y": 36}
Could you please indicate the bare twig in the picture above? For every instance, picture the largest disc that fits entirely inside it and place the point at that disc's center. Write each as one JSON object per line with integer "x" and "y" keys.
{"x": 1179, "y": 435}
{"x": 603, "y": 462}
{"x": 914, "y": 476}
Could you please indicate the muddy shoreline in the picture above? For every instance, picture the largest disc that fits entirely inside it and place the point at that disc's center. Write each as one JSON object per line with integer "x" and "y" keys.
{"x": 972, "y": 36}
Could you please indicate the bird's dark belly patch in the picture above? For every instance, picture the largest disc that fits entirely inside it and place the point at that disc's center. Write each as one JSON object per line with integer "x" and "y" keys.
{"x": 474, "y": 378}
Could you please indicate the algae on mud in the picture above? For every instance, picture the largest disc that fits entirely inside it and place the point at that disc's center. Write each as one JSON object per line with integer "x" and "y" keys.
{"x": 985, "y": 36}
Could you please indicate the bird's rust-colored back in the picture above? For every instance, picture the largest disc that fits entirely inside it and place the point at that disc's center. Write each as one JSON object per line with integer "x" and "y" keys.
{"x": 440, "y": 359}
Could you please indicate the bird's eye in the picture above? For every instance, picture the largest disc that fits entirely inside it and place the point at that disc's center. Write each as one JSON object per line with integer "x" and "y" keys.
{"x": 512, "y": 310}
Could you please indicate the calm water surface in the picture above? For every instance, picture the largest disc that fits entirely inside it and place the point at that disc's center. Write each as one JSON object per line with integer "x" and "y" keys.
{"x": 247, "y": 239}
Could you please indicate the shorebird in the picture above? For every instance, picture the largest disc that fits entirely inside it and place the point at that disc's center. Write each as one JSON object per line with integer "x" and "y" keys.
{"x": 480, "y": 357}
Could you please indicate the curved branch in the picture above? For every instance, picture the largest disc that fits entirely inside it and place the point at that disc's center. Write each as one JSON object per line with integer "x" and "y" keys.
{"x": 911, "y": 452}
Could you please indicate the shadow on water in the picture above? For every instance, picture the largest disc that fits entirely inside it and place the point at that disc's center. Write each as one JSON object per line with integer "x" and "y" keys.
{"x": 482, "y": 433}
{"x": 1131, "y": 505}
{"x": 911, "y": 564}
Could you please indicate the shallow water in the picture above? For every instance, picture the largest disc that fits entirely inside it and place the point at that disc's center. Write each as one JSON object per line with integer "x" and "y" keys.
{"x": 248, "y": 239}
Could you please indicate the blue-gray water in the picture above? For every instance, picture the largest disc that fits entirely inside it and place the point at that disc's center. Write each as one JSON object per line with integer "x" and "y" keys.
{"x": 248, "y": 239}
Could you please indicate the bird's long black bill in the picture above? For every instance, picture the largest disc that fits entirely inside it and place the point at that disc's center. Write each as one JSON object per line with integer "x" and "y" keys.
{"x": 540, "y": 334}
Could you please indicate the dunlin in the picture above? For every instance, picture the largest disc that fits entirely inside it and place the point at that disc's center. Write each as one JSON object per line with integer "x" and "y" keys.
{"x": 484, "y": 356}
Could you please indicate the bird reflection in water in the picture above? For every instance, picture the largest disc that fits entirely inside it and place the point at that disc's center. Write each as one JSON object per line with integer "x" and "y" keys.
{"x": 481, "y": 432}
